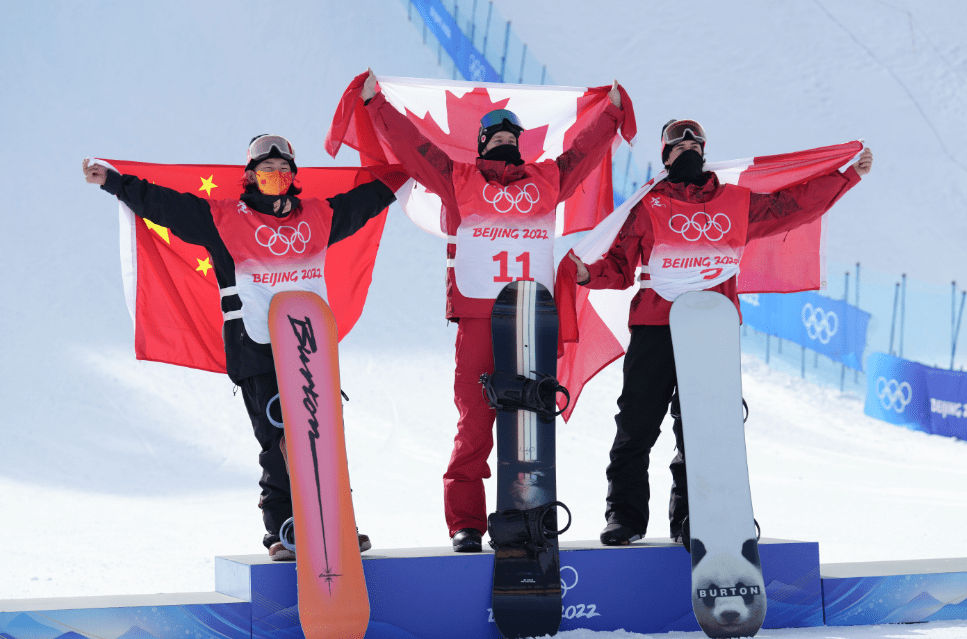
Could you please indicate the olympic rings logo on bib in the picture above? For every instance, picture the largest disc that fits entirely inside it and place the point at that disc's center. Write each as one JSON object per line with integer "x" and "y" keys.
{"x": 285, "y": 238}
{"x": 508, "y": 197}
{"x": 713, "y": 228}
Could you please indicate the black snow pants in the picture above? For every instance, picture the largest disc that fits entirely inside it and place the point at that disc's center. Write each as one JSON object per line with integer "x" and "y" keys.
{"x": 649, "y": 388}
{"x": 258, "y": 392}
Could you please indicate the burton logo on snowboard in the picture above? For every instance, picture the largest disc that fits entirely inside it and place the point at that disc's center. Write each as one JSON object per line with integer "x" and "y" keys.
{"x": 333, "y": 601}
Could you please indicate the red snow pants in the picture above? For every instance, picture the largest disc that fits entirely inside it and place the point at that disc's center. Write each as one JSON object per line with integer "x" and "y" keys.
{"x": 463, "y": 489}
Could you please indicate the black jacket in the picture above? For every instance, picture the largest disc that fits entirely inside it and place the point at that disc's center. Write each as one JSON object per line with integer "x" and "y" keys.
{"x": 190, "y": 218}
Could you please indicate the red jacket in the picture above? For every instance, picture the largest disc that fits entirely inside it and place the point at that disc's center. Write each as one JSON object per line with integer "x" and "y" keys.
{"x": 769, "y": 214}
{"x": 430, "y": 166}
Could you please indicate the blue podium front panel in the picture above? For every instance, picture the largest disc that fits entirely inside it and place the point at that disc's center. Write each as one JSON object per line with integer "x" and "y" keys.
{"x": 431, "y": 592}
{"x": 895, "y": 592}
{"x": 166, "y": 616}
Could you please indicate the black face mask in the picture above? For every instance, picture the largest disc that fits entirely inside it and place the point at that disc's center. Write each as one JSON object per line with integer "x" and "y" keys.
{"x": 687, "y": 167}
{"x": 276, "y": 205}
{"x": 504, "y": 153}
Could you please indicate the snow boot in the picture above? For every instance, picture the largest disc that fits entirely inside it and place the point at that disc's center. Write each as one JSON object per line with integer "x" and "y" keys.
{"x": 467, "y": 540}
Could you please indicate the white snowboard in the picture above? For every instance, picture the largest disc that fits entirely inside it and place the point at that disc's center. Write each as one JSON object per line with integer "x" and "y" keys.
{"x": 728, "y": 592}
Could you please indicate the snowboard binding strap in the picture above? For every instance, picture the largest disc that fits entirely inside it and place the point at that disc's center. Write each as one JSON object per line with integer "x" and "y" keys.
{"x": 506, "y": 391}
{"x": 528, "y": 529}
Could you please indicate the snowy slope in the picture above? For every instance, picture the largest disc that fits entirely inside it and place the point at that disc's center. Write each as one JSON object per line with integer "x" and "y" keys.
{"x": 118, "y": 476}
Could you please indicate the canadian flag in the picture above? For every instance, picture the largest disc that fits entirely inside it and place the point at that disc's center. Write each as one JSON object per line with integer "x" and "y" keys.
{"x": 170, "y": 286}
{"x": 448, "y": 114}
{"x": 594, "y": 323}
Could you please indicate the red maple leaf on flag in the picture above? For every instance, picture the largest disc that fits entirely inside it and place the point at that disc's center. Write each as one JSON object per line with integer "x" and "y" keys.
{"x": 463, "y": 120}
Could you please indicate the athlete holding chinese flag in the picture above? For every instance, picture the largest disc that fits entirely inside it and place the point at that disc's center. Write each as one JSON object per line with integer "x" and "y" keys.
{"x": 499, "y": 214}
{"x": 259, "y": 243}
{"x": 689, "y": 233}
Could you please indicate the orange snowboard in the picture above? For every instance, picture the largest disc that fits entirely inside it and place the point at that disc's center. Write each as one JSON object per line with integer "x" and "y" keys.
{"x": 333, "y": 602}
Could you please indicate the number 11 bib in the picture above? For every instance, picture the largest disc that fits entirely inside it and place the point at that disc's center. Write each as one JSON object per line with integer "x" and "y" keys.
{"x": 506, "y": 234}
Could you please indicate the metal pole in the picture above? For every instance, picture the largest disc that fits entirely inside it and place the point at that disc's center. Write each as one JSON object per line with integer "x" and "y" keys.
{"x": 624, "y": 184}
{"x": 842, "y": 372}
{"x": 473, "y": 22}
{"x": 490, "y": 9}
{"x": 503, "y": 58}
{"x": 960, "y": 316}
{"x": 523, "y": 58}
{"x": 543, "y": 73}
{"x": 896, "y": 298}
{"x": 903, "y": 310}
{"x": 856, "y": 374}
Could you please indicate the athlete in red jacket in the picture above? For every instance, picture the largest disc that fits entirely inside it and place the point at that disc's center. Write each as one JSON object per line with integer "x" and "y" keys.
{"x": 499, "y": 214}
{"x": 688, "y": 233}
{"x": 264, "y": 230}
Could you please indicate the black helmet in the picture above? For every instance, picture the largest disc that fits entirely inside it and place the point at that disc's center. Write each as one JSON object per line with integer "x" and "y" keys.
{"x": 497, "y": 120}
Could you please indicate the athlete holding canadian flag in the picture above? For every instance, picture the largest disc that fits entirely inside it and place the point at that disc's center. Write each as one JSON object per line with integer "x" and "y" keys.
{"x": 688, "y": 233}
{"x": 266, "y": 241}
{"x": 499, "y": 213}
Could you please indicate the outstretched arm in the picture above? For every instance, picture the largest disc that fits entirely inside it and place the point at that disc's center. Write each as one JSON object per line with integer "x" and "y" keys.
{"x": 590, "y": 146}
{"x": 353, "y": 209}
{"x": 782, "y": 211}
{"x": 618, "y": 267}
{"x": 187, "y": 216}
{"x": 422, "y": 159}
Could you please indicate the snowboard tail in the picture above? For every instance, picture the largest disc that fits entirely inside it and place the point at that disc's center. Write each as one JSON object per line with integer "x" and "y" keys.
{"x": 333, "y": 601}
{"x": 728, "y": 592}
{"x": 527, "y": 592}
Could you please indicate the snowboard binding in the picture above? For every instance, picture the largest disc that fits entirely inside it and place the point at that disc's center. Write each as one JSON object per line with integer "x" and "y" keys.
{"x": 529, "y": 529}
{"x": 506, "y": 391}
{"x": 287, "y": 534}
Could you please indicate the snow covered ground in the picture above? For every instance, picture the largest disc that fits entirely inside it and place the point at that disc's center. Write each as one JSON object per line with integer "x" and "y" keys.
{"x": 122, "y": 477}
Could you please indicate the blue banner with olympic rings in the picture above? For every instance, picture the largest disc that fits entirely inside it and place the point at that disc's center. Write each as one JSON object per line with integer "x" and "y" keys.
{"x": 833, "y": 328}
{"x": 919, "y": 397}
{"x": 468, "y": 60}
{"x": 896, "y": 391}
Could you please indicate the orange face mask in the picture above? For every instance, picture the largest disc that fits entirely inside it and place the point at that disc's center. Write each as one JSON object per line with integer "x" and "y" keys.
{"x": 273, "y": 182}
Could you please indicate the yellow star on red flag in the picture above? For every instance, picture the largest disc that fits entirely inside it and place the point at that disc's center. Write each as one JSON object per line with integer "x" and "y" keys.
{"x": 204, "y": 265}
{"x": 208, "y": 185}
{"x": 157, "y": 228}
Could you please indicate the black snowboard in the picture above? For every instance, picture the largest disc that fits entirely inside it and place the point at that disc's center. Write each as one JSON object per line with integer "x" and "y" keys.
{"x": 527, "y": 581}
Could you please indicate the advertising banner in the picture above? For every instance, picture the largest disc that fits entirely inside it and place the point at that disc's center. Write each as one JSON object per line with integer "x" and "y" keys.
{"x": 920, "y": 397}
{"x": 833, "y": 328}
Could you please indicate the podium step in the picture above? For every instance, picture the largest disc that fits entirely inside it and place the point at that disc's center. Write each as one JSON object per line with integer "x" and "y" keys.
{"x": 909, "y": 591}
{"x": 427, "y": 592}
{"x": 204, "y": 615}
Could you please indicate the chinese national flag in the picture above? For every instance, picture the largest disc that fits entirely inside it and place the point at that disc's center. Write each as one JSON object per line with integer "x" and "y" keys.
{"x": 170, "y": 285}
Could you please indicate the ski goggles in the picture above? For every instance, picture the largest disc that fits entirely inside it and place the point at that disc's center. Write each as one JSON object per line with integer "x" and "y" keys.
{"x": 676, "y": 130}
{"x": 262, "y": 146}
{"x": 496, "y": 118}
